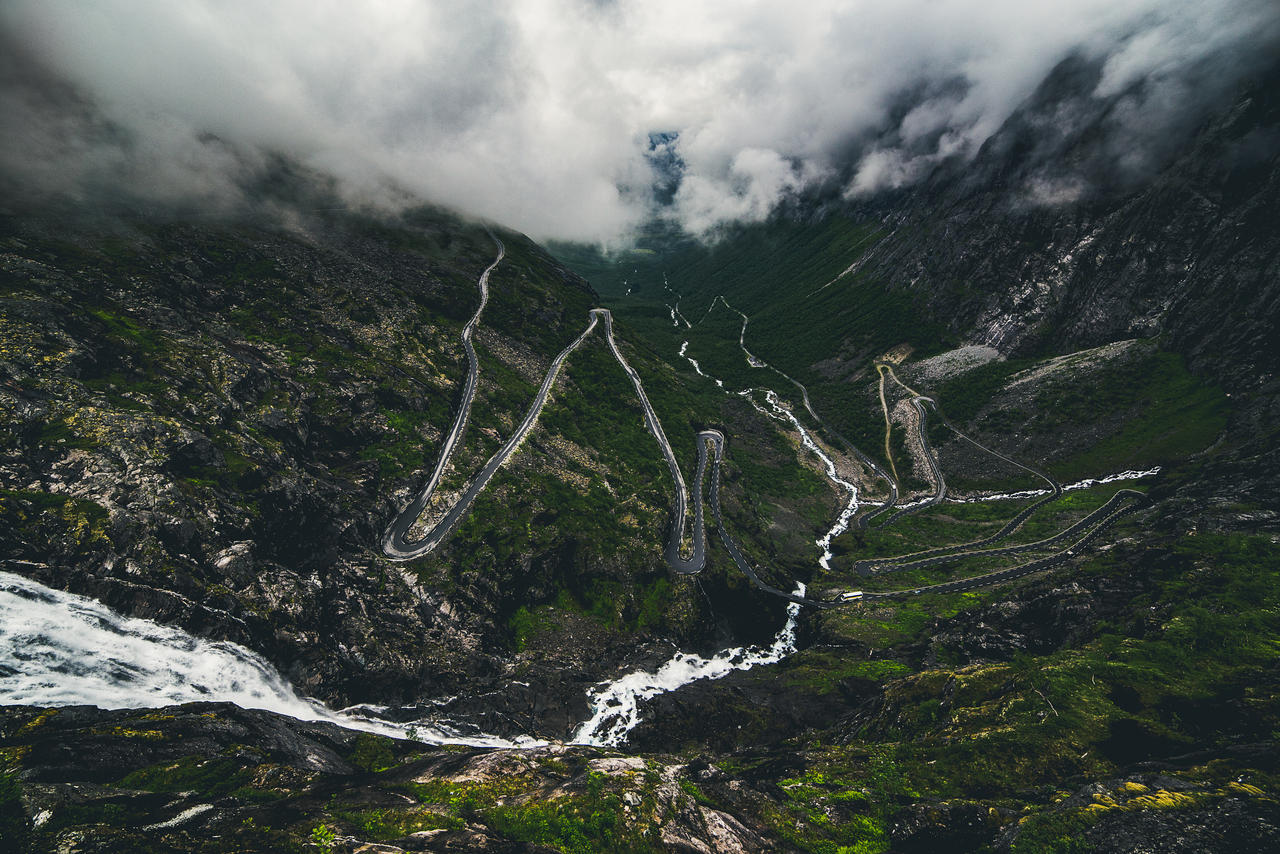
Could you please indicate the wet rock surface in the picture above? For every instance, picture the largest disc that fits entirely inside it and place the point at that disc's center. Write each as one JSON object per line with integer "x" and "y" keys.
{"x": 214, "y": 777}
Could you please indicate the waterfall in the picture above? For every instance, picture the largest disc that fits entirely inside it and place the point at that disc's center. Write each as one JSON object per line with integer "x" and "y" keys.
{"x": 60, "y": 649}
{"x": 615, "y": 706}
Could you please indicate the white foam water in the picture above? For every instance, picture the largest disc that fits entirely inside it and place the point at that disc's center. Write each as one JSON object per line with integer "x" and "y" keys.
{"x": 842, "y": 522}
{"x": 61, "y": 649}
{"x": 615, "y": 706}
{"x": 684, "y": 351}
{"x": 1131, "y": 474}
{"x": 782, "y": 412}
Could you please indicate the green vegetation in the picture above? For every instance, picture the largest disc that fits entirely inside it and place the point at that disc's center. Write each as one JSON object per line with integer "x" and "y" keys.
{"x": 900, "y": 621}
{"x": 454, "y": 250}
{"x": 43, "y": 523}
{"x": 567, "y": 825}
{"x": 750, "y": 261}
{"x": 831, "y": 813}
{"x": 1131, "y": 696}
{"x": 13, "y": 818}
{"x": 1144, "y": 407}
{"x": 825, "y": 329}
{"x": 1176, "y": 415}
{"x": 372, "y": 753}
{"x": 585, "y": 821}
{"x": 807, "y": 318}
{"x": 1135, "y": 688}
{"x": 954, "y": 524}
{"x": 25, "y": 501}
{"x": 126, "y": 330}
{"x": 322, "y": 837}
{"x": 211, "y": 777}
{"x": 382, "y": 824}
{"x": 523, "y": 625}
{"x": 821, "y": 671}
{"x": 963, "y": 396}
{"x": 530, "y": 301}
{"x": 694, "y": 791}
{"x": 595, "y": 412}
{"x": 602, "y": 416}
{"x": 642, "y": 603}
{"x": 1061, "y": 830}
{"x": 323, "y": 388}
{"x": 613, "y": 491}
{"x": 407, "y": 453}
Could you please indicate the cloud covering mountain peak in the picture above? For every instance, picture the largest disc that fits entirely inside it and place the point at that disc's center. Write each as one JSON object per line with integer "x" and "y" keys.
{"x": 541, "y": 113}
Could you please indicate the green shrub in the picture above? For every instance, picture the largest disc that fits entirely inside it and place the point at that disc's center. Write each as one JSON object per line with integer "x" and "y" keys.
{"x": 13, "y": 818}
{"x": 372, "y": 753}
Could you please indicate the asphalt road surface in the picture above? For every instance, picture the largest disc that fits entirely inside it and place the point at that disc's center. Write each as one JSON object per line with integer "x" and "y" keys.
{"x": 691, "y": 559}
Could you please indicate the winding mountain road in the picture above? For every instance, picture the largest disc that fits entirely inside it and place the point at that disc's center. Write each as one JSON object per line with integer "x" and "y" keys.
{"x": 754, "y": 361}
{"x": 395, "y": 542}
{"x": 925, "y": 560}
{"x": 715, "y": 439}
{"x": 1123, "y": 502}
{"x": 690, "y": 559}
{"x": 872, "y": 565}
{"x": 934, "y": 469}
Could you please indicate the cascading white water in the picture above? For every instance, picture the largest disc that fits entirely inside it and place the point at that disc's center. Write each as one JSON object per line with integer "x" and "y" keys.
{"x": 842, "y": 522}
{"x": 60, "y": 649}
{"x": 1131, "y": 474}
{"x": 684, "y": 351}
{"x": 615, "y": 706}
{"x": 783, "y": 413}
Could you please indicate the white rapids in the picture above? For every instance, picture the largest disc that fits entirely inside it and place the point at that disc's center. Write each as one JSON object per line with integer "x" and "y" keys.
{"x": 684, "y": 351}
{"x": 781, "y": 412}
{"x": 615, "y": 706}
{"x": 1131, "y": 474}
{"x": 61, "y": 649}
{"x": 842, "y": 521}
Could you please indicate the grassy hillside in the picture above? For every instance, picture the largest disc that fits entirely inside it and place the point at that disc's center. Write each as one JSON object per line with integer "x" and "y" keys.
{"x": 231, "y": 415}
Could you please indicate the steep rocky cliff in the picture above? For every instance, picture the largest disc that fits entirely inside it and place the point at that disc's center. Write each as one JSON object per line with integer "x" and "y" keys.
{"x": 1049, "y": 241}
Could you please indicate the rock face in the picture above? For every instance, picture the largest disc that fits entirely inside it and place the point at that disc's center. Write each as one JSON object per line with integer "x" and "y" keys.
{"x": 216, "y": 777}
{"x": 210, "y": 426}
{"x": 1123, "y": 255}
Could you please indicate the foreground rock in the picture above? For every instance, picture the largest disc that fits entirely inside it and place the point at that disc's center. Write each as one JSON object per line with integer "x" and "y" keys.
{"x": 215, "y": 777}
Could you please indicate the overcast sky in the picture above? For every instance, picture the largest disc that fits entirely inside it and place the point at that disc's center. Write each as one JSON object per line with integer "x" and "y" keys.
{"x": 539, "y": 113}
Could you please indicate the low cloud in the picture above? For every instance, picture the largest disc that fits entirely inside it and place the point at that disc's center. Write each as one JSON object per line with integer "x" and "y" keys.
{"x": 542, "y": 114}
{"x": 755, "y": 181}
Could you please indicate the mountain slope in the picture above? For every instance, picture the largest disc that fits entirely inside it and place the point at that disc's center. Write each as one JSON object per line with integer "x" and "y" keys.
{"x": 1188, "y": 252}
{"x": 211, "y": 425}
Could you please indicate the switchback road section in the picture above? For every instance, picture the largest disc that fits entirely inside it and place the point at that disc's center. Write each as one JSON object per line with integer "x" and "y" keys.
{"x": 686, "y": 555}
